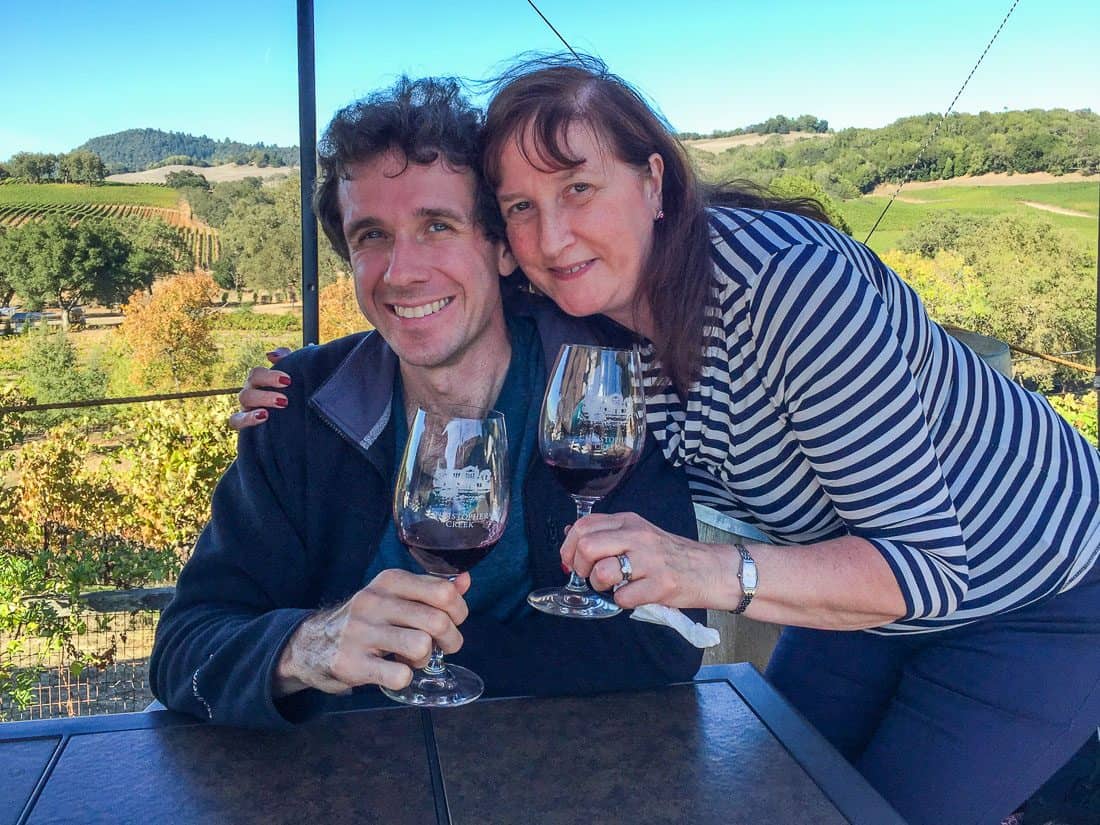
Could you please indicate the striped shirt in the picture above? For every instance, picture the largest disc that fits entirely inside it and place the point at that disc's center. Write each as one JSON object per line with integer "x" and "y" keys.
{"x": 829, "y": 404}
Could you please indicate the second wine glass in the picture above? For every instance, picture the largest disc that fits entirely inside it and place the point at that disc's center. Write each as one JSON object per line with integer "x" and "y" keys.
{"x": 591, "y": 431}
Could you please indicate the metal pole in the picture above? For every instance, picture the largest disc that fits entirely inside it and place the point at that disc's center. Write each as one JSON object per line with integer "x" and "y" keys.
{"x": 1096, "y": 353}
{"x": 307, "y": 140}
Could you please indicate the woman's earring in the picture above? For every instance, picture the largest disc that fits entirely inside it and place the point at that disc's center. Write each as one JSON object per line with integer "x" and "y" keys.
{"x": 660, "y": 216}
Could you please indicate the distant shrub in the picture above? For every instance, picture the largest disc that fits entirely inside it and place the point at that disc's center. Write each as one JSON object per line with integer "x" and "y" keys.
{"x": 246, "y": 319}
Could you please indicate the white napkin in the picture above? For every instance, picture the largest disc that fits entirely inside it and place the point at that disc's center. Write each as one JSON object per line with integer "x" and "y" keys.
{"x": 698, "y": 634}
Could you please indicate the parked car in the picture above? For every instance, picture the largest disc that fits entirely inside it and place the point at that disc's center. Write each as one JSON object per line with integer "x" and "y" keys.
{"x": 21, "y": 321}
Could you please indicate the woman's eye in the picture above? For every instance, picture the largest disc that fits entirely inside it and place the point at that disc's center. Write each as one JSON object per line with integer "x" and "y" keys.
{"x": 519, "y": 206}
{"x": 580, "y": 187}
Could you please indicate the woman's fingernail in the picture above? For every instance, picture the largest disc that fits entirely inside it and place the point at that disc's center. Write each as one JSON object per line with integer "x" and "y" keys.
{"x": 260, "y": 415}
{"x": 280, "y": 402}
{"x": 284, "y": 380}
{"x": 565, "y": 568}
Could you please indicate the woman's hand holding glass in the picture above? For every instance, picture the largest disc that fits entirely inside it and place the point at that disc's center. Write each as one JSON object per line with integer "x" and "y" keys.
{"x": 665, "y": 568}
{"x": 592, "y": 430}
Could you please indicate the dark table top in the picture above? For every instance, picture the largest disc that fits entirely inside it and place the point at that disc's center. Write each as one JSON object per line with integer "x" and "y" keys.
{"x": 725, "y": 748}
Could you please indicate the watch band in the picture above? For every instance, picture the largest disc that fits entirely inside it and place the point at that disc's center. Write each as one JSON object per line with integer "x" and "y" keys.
{"x": 746, "y": 574}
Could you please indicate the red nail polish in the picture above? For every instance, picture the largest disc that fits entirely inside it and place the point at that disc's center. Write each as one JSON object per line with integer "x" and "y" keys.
{"x": 565, "y": 568}
{"x": 280, "y": 402}
{"x": 261, "y": 415}
{"x": 284, "y": 380}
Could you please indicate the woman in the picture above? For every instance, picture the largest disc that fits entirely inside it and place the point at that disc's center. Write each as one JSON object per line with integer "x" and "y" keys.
{"x": 912, "y": 494}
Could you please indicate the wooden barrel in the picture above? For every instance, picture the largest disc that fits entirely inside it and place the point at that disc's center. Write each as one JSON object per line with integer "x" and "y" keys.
{"x": 991, "y": 350}
{"x": 743, "y": 639}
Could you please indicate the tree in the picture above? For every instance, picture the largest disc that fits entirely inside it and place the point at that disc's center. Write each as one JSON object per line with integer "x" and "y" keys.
{"x": 51, "y": 374}
{"x": 227, "y": 277}
{"x": 796, "y": 186}
{"x": 35, "y": 167}
{"x": 55, "y": 261}
{"x": 263, "y": 241}
{"x": 186, "y": 179}
{"x": 214, "y": 206}
{"x": 169, "y": 333}
{"x": 7, "y": 267}
{"x": 81, "y": 166}
{"x": 156, "y": 249}
{"x": 1023, "y": 281}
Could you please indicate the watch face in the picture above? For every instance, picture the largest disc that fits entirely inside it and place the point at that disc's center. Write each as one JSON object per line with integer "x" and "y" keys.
{"x": 748, "y": 577}
{"x": 748, "y": 571}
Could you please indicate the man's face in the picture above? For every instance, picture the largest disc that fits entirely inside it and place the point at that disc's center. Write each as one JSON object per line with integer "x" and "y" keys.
{"x": 425, "y": 275}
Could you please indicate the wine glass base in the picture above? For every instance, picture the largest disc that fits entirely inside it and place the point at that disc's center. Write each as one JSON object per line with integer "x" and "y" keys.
{"x": 586, "y": 604}
{"x": 456, "y": 686}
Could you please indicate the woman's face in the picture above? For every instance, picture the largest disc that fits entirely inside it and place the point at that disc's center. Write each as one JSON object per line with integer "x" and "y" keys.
{"x": 582, "y": 234}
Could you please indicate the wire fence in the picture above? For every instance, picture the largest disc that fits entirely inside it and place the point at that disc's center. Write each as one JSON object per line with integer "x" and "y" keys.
{"x": 118, "y": 685}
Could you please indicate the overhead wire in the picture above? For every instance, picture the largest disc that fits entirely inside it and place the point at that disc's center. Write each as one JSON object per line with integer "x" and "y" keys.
{"x": 942, "y": 120}
{"x": 554, "y": 30}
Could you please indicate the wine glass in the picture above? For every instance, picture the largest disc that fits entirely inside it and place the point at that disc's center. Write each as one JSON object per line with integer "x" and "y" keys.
{"x": 450, "y": 506}
{"x": 591, "y": 430}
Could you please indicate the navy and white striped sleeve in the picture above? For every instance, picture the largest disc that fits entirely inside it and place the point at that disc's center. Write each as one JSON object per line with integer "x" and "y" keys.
{"x": 834, "y": 369}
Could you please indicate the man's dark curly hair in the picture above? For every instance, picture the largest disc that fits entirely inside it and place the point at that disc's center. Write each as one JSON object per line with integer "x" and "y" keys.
{"x": 425, "y": 120}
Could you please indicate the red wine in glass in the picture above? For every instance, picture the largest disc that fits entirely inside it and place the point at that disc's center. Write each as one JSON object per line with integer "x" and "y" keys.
{"x": 591, "y": 431}
{"x": 588, "y": 477}
{"x": 454, "y": 552}
{"x": 450, "y": 506}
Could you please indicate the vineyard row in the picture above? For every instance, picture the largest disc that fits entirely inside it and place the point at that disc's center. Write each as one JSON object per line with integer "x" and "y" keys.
{"x": 202, "y": 239}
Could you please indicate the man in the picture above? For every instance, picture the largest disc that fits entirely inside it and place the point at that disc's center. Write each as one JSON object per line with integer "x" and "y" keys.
{"x": 298, "y": 597}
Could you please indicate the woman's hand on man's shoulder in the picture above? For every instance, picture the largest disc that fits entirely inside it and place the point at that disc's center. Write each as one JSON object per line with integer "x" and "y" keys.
{"x": 261, "y": 392}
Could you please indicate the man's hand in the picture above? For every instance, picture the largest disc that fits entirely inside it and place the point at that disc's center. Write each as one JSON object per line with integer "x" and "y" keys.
{"x": 260, "y": 391}
{"x": 398, "y": 613}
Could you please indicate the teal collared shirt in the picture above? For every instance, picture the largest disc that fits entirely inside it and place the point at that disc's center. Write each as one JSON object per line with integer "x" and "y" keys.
{"x": 501, "y": 582}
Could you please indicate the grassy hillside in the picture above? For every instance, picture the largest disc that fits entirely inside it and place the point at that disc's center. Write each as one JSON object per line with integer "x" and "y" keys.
{"x": 44, "y": 194}
{"x": 914, "y": 206}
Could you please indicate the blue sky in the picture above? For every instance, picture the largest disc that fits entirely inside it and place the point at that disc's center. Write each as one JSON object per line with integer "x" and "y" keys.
{"x": 74, "y": 70}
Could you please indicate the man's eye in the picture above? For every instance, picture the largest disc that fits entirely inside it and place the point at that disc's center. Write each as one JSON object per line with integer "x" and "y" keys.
{"x": 438, "y": 226}
{"x": 580, "y": 187}
{"x": 519, "y": 206}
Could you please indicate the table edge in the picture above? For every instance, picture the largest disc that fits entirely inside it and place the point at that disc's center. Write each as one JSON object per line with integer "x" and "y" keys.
{"x": 845, "y": 787}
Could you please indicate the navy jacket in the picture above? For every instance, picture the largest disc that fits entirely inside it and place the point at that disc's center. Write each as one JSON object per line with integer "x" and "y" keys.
{"x": 298, "y": 516}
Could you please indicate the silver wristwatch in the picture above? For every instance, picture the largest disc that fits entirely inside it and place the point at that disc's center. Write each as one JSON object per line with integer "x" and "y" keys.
{"x": 746, "y": 574}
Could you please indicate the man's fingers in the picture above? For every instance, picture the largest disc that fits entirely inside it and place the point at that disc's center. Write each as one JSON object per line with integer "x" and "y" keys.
{"x": 357, "y": 667}
{"x": 371, "y": 610}
{"x": 425, "y": 590}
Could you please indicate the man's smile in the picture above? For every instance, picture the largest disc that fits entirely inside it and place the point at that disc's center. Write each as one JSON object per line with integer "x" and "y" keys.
{"x": 420, "y": 310}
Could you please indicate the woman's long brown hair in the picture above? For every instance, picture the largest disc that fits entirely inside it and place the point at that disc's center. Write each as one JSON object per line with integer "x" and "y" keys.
{"x": 539, "y": 98}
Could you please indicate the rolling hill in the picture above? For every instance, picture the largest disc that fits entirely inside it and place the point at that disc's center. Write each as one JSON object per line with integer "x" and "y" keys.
{"x": 135, "y": 150}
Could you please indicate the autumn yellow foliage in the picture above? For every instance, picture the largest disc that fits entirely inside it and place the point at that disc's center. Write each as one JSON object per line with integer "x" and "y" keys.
{"x": 169, "y": 333}
{"x": 339, "y": 311}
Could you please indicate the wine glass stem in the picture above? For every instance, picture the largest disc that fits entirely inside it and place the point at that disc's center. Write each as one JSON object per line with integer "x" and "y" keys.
{"x": 435, "y": 666}
{"x": 576, "y": 583}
